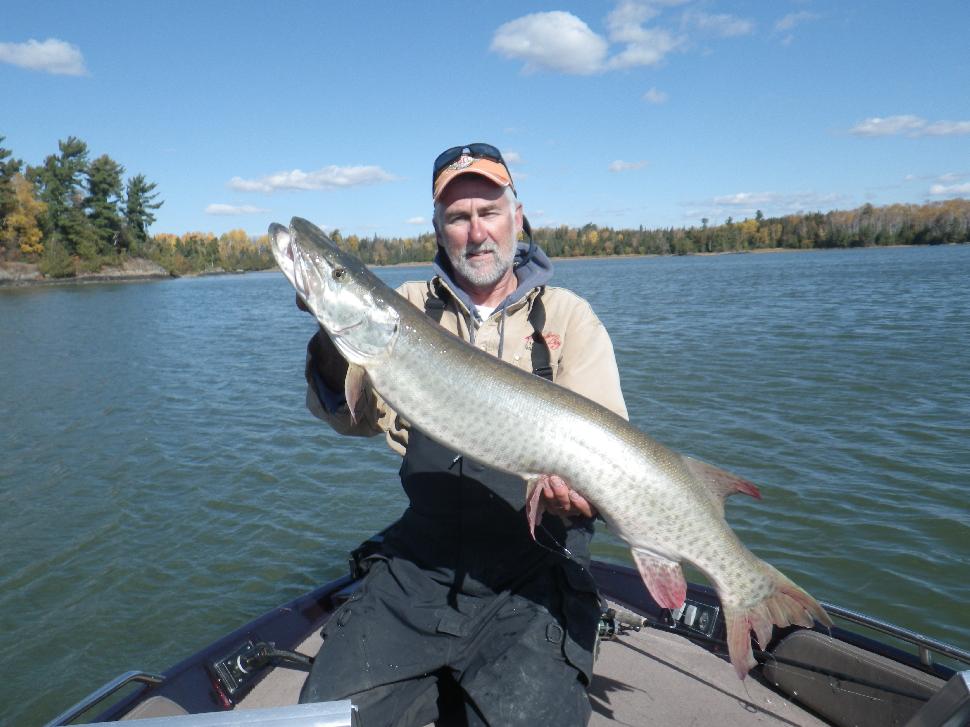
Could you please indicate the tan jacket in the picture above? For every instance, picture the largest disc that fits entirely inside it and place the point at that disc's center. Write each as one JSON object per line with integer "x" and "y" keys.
{"x": 581, "y": 355}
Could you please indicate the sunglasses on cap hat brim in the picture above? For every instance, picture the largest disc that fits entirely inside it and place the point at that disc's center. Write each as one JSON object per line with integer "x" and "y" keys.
{"x": 478, "y": 151}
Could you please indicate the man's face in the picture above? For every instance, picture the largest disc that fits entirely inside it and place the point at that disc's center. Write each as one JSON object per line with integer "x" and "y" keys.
{"x": 478, "y": 226}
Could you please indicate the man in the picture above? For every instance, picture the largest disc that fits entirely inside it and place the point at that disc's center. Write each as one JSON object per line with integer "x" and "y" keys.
{"x": 464, "y": 618}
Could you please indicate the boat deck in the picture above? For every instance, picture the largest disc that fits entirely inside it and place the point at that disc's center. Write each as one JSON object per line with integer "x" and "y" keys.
{"x": 645, "y": 677}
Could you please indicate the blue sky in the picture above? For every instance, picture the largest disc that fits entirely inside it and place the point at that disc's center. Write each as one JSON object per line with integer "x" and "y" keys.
{"x": 621, "y": 114}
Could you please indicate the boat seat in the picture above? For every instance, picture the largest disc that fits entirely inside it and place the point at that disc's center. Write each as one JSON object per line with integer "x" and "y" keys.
{"x": 841, "y": 701}
{"x": 155, "y": 707}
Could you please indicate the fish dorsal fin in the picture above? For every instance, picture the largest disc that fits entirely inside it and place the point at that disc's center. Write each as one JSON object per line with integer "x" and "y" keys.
{"x": 354, "y": 388}
{"x": 663, "y": 578}
{"x": 721, "y": 484}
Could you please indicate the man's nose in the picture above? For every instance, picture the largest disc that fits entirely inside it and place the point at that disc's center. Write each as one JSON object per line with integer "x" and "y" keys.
{"x": 476, "y": 231}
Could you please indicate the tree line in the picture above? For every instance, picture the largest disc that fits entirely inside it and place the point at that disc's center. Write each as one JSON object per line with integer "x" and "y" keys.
{"x": 73, "y": 214}
{"x": 867, "y": 226}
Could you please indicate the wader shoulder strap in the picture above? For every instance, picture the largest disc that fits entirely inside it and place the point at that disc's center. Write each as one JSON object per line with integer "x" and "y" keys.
{"x": 434, "y": 304}
{"x": 541, "y": 365}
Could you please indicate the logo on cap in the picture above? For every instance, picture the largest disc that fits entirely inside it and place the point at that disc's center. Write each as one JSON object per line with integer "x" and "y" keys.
{"x": 462, "y": 162}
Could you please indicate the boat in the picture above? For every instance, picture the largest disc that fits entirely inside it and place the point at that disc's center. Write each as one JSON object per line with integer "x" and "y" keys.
{"x": 653, "y": 666}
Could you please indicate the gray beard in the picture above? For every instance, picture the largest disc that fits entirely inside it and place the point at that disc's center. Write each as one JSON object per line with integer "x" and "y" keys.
{"x": 483, "y": 277}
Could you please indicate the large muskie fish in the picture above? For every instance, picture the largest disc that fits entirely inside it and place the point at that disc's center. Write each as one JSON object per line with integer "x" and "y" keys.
{"x": 668, "y": 507}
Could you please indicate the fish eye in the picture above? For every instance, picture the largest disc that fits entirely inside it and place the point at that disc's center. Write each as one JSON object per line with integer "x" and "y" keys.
{"x": 338, "y": 273}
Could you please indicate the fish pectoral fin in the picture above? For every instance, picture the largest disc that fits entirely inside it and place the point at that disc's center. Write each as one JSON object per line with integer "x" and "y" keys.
{"x": 721, "y": 483}
{"x": 663, "y": 578}
{"x": 535, "y": 506}
{"x": 354, "y": 388}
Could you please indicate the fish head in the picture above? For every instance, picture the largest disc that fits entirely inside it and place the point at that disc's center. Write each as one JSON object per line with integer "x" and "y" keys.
{"x": 347, "y": 299}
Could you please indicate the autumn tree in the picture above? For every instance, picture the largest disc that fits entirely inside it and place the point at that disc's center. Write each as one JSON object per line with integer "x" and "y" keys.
{"x": 8, "y": 168}
{"x": 20, "y": 229}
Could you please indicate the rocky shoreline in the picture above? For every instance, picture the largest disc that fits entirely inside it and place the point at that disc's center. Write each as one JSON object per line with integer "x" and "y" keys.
{"x": 23, "y": 274}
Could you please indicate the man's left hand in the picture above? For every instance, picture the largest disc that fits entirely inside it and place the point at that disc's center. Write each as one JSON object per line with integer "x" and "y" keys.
{"x": 560, "y": 499}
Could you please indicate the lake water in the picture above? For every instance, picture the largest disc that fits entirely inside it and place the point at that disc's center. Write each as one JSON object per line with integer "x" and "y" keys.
{"x": 161, "y": 482}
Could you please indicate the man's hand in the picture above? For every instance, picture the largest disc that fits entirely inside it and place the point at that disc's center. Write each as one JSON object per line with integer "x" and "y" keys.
{"x": 560, "y": 499}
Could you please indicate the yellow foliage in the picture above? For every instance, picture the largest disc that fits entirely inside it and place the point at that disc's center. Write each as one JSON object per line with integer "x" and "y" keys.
{"x": 22, "y": 227}
{"x": 203, "y": 236}
{"x": 237, "y": 240}
{"x": 167, "y": 239}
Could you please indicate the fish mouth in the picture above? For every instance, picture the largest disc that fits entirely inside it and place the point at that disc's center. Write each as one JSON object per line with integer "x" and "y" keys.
{"x": 343, "y": 329}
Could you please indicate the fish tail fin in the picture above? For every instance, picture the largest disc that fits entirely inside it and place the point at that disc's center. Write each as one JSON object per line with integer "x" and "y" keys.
{"x": 785, "y": 605}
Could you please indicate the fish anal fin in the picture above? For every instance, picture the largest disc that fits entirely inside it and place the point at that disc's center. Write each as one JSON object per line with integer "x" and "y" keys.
{"x": 354, "y": 388}
{"x": 663, "y": 578}
{"x": 721, "y": 483}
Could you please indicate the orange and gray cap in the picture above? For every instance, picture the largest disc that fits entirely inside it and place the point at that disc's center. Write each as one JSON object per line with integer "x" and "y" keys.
{"x": 482, "y": 159}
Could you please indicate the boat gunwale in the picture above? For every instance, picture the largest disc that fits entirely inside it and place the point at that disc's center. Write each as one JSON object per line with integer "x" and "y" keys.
{"x": 289, "y": 624}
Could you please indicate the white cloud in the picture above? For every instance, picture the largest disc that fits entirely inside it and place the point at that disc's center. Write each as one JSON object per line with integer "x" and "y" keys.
{"x": 560, "y": 41}
{"x": 417, "y": 221}
{"x": 229, "y": 209}
{"x": 655, "y": 97}
{"x": 557, "y": 41}
{"x": 621, "y": 166}
{"x": 771, "y": 202}
{"x": 626, "y": 19}
{"x": 909, "y": 125}
{"x": 746, "y": 199}
{"x": 947, "y": 128}
{"x": 331, "y": 176}
{"x": 792, "y": 19}
{"x": 512, "y": 157}
{"x": 950, "y": 190}
{"x": 889, "y": 126}
{"x": 650, "y": 48}
{"x": 724, "y": 26}
{"x": 50, "y": 56}
{"x": 644, "y": 46}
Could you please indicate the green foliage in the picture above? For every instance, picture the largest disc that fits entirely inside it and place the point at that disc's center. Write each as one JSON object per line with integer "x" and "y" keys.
{"x": 139, "y": 204}
{"x": 59, "y": 183}
{"x": 56, "y": 262}
{"x": 83, "y": 210}
{"x": 103, "y": 203}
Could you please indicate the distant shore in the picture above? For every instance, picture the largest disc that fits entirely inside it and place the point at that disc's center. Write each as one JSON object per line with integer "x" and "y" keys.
{"x": 18, "y": 274}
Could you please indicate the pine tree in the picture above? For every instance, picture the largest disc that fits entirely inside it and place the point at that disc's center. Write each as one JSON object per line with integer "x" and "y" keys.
{"x": 104, "y": 200}
{"x": 139, "y": 204}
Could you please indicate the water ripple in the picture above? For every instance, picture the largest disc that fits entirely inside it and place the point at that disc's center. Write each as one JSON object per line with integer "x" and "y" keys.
{"x": 164, "y": 483}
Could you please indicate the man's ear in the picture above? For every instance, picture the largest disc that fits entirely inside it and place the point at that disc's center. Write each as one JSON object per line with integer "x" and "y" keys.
{"x": 518, "y": 218}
